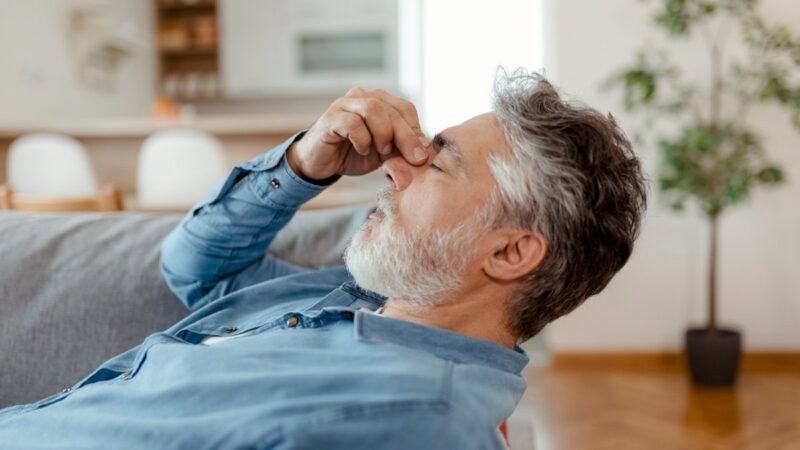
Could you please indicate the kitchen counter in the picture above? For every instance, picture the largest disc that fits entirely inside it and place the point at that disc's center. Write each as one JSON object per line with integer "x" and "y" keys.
{"x": 221, "y": 126}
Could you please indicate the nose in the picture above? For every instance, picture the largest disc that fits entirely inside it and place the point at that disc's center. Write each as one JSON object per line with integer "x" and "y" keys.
{"x": 400, "y": 172}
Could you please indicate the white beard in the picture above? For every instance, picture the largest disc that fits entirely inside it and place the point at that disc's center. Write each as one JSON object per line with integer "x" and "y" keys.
{"x": 421, "y": 268}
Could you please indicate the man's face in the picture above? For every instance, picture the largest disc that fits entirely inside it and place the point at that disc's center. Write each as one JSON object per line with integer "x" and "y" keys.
{"x": 425, "y": 238}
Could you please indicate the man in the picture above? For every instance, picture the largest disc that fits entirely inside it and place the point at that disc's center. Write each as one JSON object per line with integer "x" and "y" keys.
{"x": 495, "y": 228}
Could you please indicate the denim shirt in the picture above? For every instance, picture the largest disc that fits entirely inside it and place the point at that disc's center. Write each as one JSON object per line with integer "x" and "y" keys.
{"x": 317, "y": 369}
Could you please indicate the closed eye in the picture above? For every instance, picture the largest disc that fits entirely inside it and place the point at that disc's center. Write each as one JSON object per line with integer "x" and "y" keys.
{"x": 435, "y": 167}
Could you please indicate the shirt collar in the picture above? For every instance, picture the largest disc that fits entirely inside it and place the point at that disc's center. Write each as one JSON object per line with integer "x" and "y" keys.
{"x": 438, "y": 341}
{"x": 443, "y": 343}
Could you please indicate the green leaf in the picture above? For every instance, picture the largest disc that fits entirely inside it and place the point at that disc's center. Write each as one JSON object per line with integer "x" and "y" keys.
{"x": 707, "y": 8}
{"x": 678, "y": 205}
{"x": 674, "y": 17}
{"x": 771, "y": 175}
{"x": 640, "y": 86}
{"x": 712, "y": 166}
{"x": 775, "y": 89}
{"x": 701, "y": 140}
{"x": 715, "y": 166}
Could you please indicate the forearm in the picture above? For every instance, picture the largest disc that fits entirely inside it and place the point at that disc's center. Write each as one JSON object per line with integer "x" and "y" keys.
{"x": 233, "y": 227}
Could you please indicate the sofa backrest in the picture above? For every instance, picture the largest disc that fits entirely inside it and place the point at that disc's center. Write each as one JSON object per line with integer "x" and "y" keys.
{"x": 77, "y": 289}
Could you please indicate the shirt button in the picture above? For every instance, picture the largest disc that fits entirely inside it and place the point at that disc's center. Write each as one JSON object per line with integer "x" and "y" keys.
{"x": 276, "y": 183}
{"x": 127, "y": 374}
{"x": 66, "y": 390}
{"x": 292, "y": 321}
{"x": 230, "y": 329}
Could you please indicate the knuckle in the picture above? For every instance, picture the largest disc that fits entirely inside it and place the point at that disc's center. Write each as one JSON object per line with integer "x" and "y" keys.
{"x": 336, "y": 105}
{"x": 351, "y": 121}
{"x": 355, "y": 92}
{"x": 394, "y": 115}
{"x": 372, "y": 106}
{"x": 409, "y": 108}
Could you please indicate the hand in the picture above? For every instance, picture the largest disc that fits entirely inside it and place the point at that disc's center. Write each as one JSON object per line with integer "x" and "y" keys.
{"x": 356, "y": 134}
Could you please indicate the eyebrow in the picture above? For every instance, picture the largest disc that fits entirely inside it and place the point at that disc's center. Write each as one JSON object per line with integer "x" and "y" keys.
{"x": 452, "y": 148}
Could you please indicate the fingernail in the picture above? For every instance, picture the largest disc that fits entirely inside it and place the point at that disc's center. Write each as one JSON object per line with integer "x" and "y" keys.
{"x": 386, "y": 150}
{"x": 424, "y": 142}
{"x": 420, "y": 154}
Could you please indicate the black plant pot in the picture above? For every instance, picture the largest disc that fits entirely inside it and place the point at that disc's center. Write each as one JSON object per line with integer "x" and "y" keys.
{"x": 713, "y": 356}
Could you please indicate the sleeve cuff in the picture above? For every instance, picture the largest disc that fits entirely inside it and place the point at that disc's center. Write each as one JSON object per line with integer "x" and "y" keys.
{"x": 275, "y": 182}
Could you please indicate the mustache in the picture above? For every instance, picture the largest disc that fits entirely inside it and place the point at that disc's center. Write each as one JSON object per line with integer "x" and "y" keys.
{"x": 385, "y": 202}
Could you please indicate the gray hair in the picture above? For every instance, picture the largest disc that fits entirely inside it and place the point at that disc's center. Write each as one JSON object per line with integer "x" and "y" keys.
{"x": 573, "y": 178}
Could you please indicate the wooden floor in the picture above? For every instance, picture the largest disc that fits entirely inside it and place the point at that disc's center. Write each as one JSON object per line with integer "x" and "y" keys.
{"x": 649, "y": 409}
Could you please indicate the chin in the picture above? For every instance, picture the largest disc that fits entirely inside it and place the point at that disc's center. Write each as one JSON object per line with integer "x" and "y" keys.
{"x": 363, "y": 260}
{"x": 402, "y": 265}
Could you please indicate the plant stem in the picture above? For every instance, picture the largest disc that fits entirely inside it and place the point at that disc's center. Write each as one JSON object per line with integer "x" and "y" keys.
{"x": 716, "y": 85}
{"x": 712, "y": 272}
{"x": 715, "y": 44}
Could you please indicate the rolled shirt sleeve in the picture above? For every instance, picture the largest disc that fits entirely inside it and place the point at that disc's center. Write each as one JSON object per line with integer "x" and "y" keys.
{"x": 233, "y": 226}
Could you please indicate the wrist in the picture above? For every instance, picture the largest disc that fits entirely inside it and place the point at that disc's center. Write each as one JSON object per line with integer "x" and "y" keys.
{"x": 294, "y": 164}
{"x": 293, "y": 160}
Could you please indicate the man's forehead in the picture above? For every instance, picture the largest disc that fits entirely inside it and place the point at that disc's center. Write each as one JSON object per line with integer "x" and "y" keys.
{"x": 478, "y": 137}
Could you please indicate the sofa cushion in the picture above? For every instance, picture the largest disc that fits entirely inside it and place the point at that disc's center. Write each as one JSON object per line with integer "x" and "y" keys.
{"x": 77, "y": 289}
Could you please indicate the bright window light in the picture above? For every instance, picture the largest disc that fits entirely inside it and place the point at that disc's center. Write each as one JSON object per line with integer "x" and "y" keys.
{"x": 463, "y": 42}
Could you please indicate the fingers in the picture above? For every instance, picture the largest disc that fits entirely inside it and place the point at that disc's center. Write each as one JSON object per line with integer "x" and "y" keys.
{"x": 406, "y": 109}
{"x": 376, "y": 115}
{"x": 351, "y": 126}
{"x": 409, "y": 142}
{"x": 387, "y": 125}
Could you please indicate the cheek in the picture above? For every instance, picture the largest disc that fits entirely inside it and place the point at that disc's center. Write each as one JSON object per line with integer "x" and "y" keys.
{"x": 414, "y": 212}
{"x": 425, "y": 209}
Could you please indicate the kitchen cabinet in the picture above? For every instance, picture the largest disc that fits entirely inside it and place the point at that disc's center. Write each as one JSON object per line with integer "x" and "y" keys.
{"x": 307, "y": 47}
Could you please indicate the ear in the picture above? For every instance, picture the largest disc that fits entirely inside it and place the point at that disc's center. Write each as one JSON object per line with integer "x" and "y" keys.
{"x": 515, "y": 254}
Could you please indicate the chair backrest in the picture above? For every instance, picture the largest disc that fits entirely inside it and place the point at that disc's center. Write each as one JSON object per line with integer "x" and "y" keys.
{"x": 108, "y": 199}
{"x": 50, "y": 164}
{"x": 178, "y": 167}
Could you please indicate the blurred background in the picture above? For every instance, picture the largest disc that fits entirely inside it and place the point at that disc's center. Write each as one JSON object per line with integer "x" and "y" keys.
{"x": 249, "y": 72}
{"x": 145, "y": 104}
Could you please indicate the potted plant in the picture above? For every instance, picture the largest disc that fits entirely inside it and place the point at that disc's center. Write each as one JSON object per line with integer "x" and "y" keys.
{"x": 714, "y": 159}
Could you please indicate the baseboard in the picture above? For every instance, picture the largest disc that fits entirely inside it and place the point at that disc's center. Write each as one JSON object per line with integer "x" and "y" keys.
{"x": 756, "y": 361}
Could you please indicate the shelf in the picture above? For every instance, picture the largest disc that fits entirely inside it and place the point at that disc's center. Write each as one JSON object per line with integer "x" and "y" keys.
{"x": 187, "y": 44}
{"x": 189, "y": 52}
{"x": 185, "y": 7}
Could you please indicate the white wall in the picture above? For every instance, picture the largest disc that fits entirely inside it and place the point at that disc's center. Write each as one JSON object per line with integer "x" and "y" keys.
{"x": 38, "y": 78}
{"x": 662, "y": 289}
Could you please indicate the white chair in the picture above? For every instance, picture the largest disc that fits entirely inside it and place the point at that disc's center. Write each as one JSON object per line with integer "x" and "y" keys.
{"x": 177, "y": 168}
{"x": 50, "y": 164}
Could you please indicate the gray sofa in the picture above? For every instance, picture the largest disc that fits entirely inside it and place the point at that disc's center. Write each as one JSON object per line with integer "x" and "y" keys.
{"x": 76, "y": 289}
